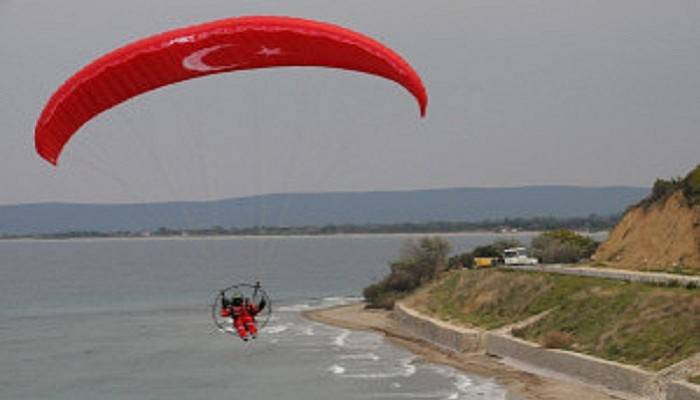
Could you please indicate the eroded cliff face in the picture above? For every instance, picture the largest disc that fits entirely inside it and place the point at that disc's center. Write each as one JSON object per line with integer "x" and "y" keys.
{"x": 662, "y": 235}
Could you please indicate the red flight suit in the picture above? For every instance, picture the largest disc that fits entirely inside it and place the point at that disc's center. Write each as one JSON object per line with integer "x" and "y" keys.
{"x": 243, "y": 318}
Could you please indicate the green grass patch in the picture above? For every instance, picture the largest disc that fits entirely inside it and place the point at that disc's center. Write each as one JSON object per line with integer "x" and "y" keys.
{"x": 633, "y": 323}
{"x": 694, "y": 379}
{"x": 491, "y": 298}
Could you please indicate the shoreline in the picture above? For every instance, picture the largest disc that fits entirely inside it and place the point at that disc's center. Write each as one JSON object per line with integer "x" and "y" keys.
{"x": 522, "y": 383}
{"x": 291, "y": 236}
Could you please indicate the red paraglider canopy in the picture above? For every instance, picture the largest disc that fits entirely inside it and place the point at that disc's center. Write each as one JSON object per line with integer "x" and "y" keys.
{"x": 215, "y": 47}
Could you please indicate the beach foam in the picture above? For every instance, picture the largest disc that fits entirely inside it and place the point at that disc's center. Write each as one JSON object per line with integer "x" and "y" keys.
{"x": 408, "y": 395}
{"x": 336, "y": 369}
{"x": 338, "y": 301}
{"x": 361, "y": 356}
{"x": 275, "y": 329}
{"x": 295, "y": 307}
{"x": 405, "y": 370}
{"x": 341, "y": 338}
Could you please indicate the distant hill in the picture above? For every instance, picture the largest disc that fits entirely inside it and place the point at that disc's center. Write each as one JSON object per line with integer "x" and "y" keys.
{"x": 305, "y": 209}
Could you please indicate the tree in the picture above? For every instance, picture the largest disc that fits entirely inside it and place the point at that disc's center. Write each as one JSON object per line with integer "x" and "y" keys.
{"x": 496, "y": 248}
{"x": 419, "y": 262}
{"x": 563, "y": 246}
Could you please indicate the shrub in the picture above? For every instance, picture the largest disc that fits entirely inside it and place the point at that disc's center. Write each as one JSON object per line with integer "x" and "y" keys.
{"x": 557, "y": 340}
{"x": 662, "y": 189}
{"x": 419, "y": 262}
{"x": 563, "y": 246}
{"x": 496, "y": 248}
{"x": 691, "y": 186}
{"x": 558, "y": 252}
{"x": 377, "y": 296}
{"x": 463, "y": 260}
{"x": 486, "y": 251}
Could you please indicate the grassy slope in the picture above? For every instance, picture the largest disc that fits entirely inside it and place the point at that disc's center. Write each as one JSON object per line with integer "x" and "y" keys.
{"x": 627, "y": 322}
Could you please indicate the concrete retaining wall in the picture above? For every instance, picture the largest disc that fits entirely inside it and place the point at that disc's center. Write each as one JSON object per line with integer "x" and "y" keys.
{"x": 589, "y": 369}
{"x": 609, "y": 273}
{"x": 682, "y": 391}
{"x": 596, "y": 371}
{"x": 452, "y": 337}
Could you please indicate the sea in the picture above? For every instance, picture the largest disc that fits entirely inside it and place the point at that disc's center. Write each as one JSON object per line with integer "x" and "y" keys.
{"x": 131, "y": 319}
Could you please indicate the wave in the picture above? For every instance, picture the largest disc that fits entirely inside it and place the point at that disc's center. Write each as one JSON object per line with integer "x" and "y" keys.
{"x": 339, "y": 300}
{"x": 308, "y": 331}
{"x": 361, "y": 356}
{"x": 435, "y": 395}
{"x": 319, "y": 303}
{"x": 275, "y": 329}
{"x": 336, "y": 369}
{"x": 295, "y": 307}
{"x": 462, "y": 383}
{"x": 362, "y": 341}
{"x": 407, "y": 370}
{"x": 341, "y": 338}
{"x": 466, "y": 385}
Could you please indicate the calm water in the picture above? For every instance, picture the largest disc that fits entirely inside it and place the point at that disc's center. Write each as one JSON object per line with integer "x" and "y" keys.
{"x": 126, "y": 319}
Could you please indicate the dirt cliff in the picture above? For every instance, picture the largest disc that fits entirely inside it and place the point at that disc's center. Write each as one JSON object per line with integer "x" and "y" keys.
{"x": 663, "y": 234}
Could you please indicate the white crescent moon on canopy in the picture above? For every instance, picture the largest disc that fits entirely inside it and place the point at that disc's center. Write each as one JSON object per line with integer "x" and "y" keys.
{"x": 195, "y": 62}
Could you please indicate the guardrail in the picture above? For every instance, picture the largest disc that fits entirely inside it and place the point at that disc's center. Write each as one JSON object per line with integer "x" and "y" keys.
{"x": 610, "y": 273}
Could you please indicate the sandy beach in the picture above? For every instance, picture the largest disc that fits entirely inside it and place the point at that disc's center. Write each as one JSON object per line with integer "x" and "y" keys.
{"x": 523, "y": 384}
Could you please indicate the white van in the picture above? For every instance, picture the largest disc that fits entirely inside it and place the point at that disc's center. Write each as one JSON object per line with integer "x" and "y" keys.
{"x": 518, "y": 256}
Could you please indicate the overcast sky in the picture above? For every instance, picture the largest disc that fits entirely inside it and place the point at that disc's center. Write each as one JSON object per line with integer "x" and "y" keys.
{"x": 521, "y": 92}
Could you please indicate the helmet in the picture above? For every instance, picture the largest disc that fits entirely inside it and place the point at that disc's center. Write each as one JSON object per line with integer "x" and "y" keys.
{"x": 237, "y": 299}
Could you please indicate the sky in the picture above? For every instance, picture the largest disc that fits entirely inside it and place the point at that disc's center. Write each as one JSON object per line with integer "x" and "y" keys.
{"x": 590, "y": 93}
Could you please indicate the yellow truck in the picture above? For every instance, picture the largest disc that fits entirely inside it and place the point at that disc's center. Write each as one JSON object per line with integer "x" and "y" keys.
{"x": 484, "y": 262}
